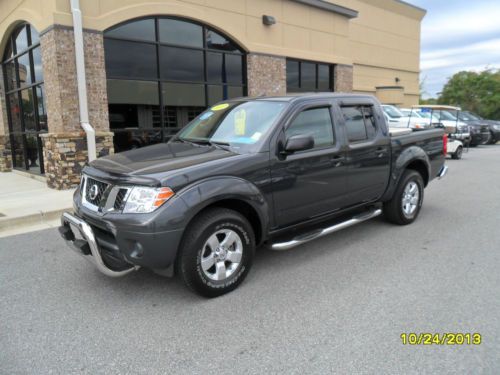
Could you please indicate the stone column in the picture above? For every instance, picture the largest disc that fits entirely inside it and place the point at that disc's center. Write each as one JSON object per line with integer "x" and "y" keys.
{"x": 65, "y": 146}
{"x": 343, "y": 78}
{"x": 266, "y": 75}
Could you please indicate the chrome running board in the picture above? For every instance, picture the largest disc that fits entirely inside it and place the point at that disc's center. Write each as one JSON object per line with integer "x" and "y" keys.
{"x": 299, "y": 240}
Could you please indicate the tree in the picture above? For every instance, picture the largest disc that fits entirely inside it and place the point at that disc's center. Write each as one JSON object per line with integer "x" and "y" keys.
{"x": 475, "y": 92}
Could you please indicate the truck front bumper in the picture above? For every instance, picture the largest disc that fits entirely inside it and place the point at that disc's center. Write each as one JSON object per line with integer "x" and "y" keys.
{"x": 87, "y": 245}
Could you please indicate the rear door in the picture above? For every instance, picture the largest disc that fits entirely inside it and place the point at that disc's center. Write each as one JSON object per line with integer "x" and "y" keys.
{"x": 368, "y": 151}
{"x": 308, "y": 183}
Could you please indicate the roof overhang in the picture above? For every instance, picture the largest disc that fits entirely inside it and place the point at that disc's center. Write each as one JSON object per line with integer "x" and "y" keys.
{"x": 330, "y": 7}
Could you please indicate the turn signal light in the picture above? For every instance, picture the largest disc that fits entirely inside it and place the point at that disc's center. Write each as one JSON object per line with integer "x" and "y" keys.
{"x": 164, "y": 195}
{"x": 445, "y": 144}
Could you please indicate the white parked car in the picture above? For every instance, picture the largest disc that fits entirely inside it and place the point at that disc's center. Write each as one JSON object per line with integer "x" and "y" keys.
{"x": 397, "y": 119}
{"x": 441, "y": 116}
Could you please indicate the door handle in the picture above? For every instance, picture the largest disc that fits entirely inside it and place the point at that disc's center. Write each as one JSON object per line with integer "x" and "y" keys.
{"x": 381, "y": 151}
{"x": 338, "y": 161}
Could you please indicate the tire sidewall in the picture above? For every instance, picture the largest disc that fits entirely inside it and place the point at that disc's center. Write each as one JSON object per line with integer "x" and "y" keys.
{"x": 193, "y": 252}
{"x": 415, "y": 177}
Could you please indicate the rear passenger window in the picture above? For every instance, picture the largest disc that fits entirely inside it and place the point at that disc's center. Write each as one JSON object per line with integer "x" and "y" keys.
{"x": 316, "y": 122}
{"x": 360, "y": 123}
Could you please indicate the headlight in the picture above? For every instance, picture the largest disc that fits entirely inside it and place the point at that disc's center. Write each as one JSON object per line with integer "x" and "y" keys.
{"x": 496, "y": 127}
{"x": 144, "y": 199}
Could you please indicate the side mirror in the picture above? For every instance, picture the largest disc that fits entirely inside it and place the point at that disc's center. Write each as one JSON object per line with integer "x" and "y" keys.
{"x": 299, "y": 142}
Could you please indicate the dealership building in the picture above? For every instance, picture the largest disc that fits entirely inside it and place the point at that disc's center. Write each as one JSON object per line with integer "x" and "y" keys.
{"x": 133, "y": 72}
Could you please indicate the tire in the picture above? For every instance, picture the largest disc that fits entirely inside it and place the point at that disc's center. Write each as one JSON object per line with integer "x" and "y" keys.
{"x": 492, "y": 139}
{"x": 394, "y": 210}
{"x": 204, "y": 263}
{"x": 457, "y": 155}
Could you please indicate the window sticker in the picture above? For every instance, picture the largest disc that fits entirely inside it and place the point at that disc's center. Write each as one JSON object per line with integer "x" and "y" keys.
{"x": 219, "y": 107}
{"x": 240, "y": 120}
{"x": 256, "y": 136}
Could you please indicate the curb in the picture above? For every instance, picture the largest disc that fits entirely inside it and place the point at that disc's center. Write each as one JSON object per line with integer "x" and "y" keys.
{"x": 32, "y": 219}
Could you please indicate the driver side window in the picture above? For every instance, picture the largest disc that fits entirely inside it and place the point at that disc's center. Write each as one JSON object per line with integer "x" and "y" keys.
{"x": 316, "y": 122}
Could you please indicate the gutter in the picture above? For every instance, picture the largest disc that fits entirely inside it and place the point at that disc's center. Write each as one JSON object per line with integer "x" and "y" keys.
{"x": 81, "y": 80}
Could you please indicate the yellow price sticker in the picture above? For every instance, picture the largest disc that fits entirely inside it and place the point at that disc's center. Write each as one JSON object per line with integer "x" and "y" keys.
{"x": 219, "y": 107}
{"x": 240, "y": 121}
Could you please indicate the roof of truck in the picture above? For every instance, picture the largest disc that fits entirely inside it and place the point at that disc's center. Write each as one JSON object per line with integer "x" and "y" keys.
{"x": 306, "y": 96}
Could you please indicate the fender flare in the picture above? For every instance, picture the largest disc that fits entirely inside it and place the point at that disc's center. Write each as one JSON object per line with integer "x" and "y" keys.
{"x": 408, "y": 156}
{"x": 193, "y": 198}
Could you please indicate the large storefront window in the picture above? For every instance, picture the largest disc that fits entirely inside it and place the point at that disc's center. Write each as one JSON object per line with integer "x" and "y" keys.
{"x": 27, "y": 116}
{"x": 305, "y": 76}
{"x": 162, "y": 72}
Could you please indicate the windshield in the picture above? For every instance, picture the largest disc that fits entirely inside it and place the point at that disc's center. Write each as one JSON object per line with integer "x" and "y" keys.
{"x": 445, "y": 115}
{"x": 392, "y": 112}
{"x": 240, "y": 125}
{"x": 411, "y": 113}
{"x": 467, "y": 116}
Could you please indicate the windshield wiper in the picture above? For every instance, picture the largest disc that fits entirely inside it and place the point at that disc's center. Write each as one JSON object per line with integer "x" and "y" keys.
{"x": 205, "y": 142}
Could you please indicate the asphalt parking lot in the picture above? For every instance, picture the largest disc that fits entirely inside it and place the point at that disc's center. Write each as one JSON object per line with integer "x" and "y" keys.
{"x": 338, "y": 304}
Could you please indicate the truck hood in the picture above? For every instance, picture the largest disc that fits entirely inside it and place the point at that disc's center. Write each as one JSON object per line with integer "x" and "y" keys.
{"x": 159, "y": 158}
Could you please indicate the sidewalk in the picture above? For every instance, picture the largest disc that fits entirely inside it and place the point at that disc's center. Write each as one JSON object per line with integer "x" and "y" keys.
{"x": 27, "y": 204}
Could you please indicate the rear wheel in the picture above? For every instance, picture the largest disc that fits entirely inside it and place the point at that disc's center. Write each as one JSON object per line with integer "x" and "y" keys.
{"x": 405, "y": 205}
{"x": 216, "y": 253}
{"x": 458, "y": 153}
{"x": 492, "y": 139}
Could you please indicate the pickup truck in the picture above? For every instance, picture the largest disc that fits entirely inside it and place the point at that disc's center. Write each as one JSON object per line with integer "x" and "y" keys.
{"x": 249, "y": 172}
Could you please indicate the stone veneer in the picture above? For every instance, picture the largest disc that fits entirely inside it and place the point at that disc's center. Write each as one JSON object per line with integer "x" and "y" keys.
{"x": 343, "y": 78}
{"x": 5, "y": 154}
{"x": 65, "y": 154}
{"x": 59, "y": 71}
{"x": 65, "y": 145}
{"x": 266, "y": 75}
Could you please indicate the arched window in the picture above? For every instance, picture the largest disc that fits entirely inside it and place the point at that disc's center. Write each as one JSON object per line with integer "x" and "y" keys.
{"x": 26, "y": 111}
{"x": 162, "y": 72}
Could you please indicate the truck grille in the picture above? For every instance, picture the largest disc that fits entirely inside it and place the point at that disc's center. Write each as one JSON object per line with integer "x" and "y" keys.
{"x": 120, "y": 199}
{"x": 101, "y": 196}
{"x": 94, "y": 191}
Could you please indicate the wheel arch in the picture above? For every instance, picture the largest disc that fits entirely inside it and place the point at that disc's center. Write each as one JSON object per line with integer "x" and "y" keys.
{"x": 231, "y": 193}
{"x": 412, "y": 158}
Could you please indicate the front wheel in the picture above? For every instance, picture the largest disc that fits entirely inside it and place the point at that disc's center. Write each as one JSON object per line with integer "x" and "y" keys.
{"x": 216, "y": 253}
{"x": 457, "y": 154}
{"x": 406, "y": 202}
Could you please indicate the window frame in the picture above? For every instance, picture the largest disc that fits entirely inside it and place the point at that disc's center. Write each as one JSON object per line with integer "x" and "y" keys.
{"x": 16, "y": 92}
{"x": 307, "y": 107}
{"x": 363, "y": 107}
{"x": 316, "y": 68}
{"x": 168, "y": 131}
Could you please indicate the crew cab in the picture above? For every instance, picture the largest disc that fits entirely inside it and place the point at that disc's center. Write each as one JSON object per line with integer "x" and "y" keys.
{"x": 273, "y": 171}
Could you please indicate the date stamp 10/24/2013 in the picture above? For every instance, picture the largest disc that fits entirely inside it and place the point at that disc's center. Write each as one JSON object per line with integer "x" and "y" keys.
{"x": 441, "y": 338}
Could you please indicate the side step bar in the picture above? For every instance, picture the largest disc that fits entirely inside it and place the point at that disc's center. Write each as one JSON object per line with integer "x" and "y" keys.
{"x": 299, "y": 240}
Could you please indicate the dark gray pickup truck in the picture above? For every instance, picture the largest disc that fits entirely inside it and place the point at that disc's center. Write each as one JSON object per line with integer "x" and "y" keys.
{"x": 275, "y": 171}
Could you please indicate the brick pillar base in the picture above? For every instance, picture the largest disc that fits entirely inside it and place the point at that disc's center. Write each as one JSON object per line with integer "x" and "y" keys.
{"x": 343, "y": 78}
{"x": 5, "y": 154}
{"x": 266, "y": 75}
{"x": 65, "y": 154}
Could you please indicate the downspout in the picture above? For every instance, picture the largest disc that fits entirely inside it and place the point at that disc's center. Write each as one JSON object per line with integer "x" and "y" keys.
{"x": 81, "y": 80}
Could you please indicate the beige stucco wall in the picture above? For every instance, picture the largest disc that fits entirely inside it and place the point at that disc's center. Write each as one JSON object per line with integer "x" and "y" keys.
{"x": 382, "y": 43}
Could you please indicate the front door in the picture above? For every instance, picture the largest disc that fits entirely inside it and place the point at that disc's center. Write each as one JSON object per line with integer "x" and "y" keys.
{"x": 312, "y": 182}
{"x": 368, "y": 155}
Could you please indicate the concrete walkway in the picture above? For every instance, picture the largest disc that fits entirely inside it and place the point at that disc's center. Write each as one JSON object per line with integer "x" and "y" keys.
{"x": 27, "y": 204}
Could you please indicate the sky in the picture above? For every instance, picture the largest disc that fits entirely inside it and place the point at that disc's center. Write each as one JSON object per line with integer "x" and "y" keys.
{"x": 457, "y": 35}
